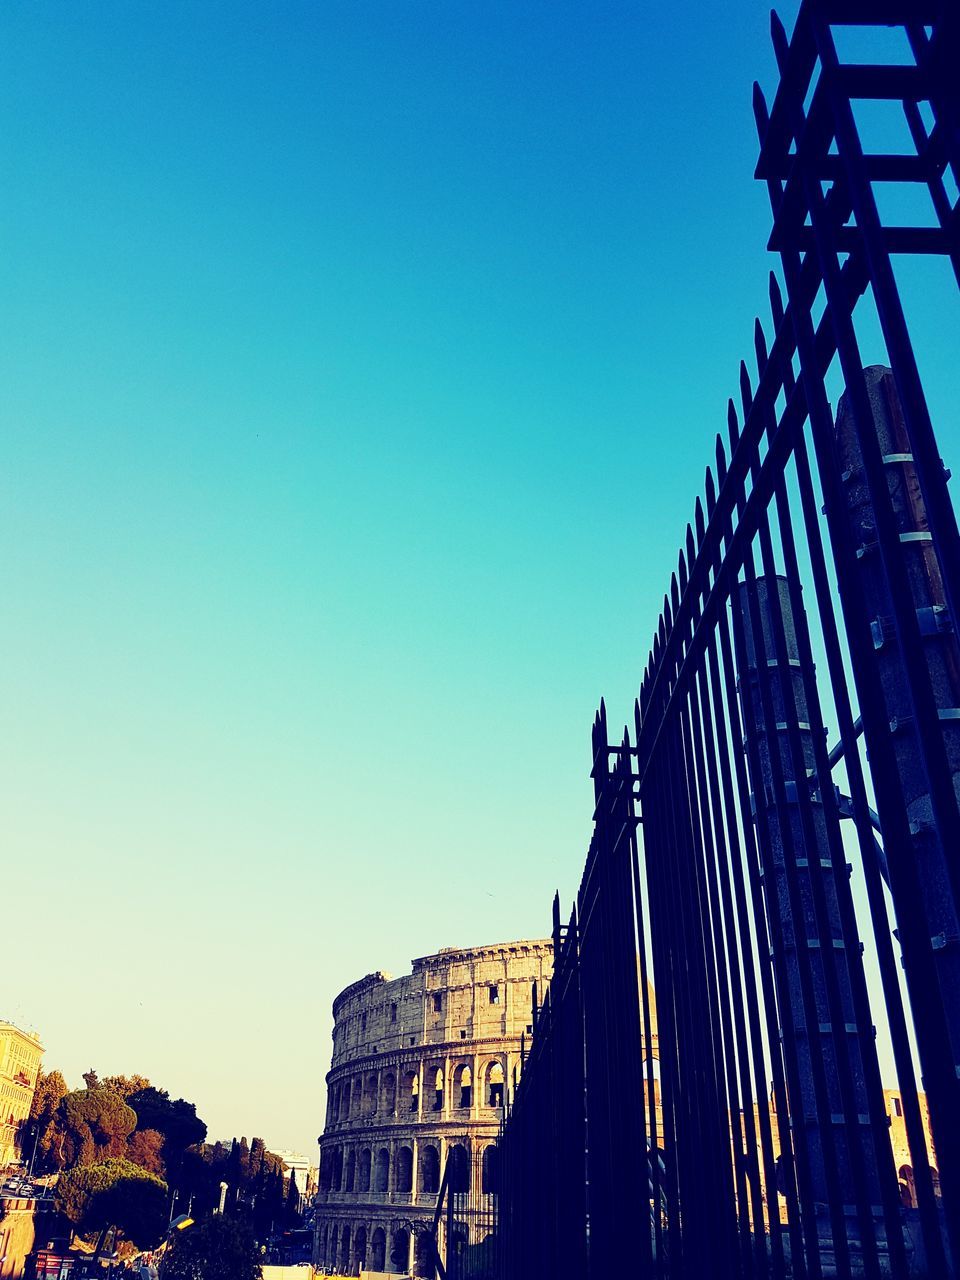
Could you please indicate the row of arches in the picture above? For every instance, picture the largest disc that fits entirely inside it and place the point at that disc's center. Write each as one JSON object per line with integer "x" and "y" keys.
{"x": 369, "y": 1169}
{"x": 382, "y": 1093}
{"x": 347, "y": 1248}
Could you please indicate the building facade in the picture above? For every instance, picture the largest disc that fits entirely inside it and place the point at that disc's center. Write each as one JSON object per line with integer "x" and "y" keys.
{"x": 422, "y": 1067}
{"x": 20, "y": 1054}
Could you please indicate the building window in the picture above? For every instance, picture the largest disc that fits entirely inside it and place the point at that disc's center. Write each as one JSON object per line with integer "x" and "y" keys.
{"x": 529, "y": 1028}
{"x": 393, "y": 1013}
{"x": 897, "y": 1107}
{"x": 363, "y": 1022}
{"x": 438, "y": 1003}
{"x": 463, "y": 1035}
{"x": 494, "y": 995}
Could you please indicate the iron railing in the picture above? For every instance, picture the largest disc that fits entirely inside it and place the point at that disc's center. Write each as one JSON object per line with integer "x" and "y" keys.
{"x": 748, "y": 1063}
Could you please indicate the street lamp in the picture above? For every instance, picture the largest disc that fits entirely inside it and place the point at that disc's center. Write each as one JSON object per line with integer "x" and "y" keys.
{"x": 223, "y": 1196}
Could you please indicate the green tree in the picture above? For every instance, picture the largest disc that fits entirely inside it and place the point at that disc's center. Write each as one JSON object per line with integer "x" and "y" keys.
{"x": 114, "y": 1194}
{"x": 219, "y": 1248}
{"x": 92, "y": 1124}
{"x": 125, "y": 1086}
{"x": 50, "y": 1091}
{"x": 174, "y": 1118}
{"x": 292, "y": 1208}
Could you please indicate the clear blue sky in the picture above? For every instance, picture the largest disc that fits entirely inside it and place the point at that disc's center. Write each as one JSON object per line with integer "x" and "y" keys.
{"x": 359, "y": 363}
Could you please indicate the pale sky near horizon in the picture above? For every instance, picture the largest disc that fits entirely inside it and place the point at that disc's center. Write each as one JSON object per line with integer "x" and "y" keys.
{"x": 359, "y": 365}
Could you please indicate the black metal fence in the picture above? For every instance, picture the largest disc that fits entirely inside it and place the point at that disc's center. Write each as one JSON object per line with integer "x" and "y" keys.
{"x": 748, "y": 1063}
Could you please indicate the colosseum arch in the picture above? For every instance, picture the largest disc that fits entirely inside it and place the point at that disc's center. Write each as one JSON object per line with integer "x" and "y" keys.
{"x": 400, "y": 1249}
{"x": 336, "y": 1174}
{"x": 437, "y": 1104}
{"x": 429, "y": 1169}
{"x": 333, "y": 1104}
{"x": 322, "y": 1246}
{"x": 345, "y": 1102}
{"x": 345, "y": 1248}
{"x": 490, "y": 1169}
{"x": 351, "y": 1178}
{"x": 411, "y": 1091}
{"x": 463, "y": 1086}
{"x": 424, "y": 1266}
{"x": 381, "y": 1171}
{"x": 366, "y": 1160}
{"x": 388, "y": 1094}
{"x": 378, "y": 1249}
{"x": 360, "y": 1246}
{"x": 458, "y": 1162}
{"x": 369, "y": 1107}
{"x": 403, "y": 1170}
{"x": 493, "y": 1080}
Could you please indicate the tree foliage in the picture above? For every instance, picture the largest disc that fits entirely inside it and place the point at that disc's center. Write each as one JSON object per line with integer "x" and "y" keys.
{"x": 125, "y": 1086}
{"x": 93, "y": 1124}
{"x": 50, "y": 1091}
{"x": 114, "y": 1193}
{"x": 219, "y": 1248}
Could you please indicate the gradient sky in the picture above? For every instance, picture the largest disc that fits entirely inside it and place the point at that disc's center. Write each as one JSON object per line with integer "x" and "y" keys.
{"x": 359, "y": 363}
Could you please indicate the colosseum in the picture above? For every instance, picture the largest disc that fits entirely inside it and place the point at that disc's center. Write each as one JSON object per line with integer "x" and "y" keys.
{"x": 421, "y": 1070}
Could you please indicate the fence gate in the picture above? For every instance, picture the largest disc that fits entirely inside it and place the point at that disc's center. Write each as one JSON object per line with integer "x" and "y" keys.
{"x": 748, "y": 1063}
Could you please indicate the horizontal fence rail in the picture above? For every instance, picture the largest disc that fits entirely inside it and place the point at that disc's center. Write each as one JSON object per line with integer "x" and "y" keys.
{"x": 748, "y": 1060}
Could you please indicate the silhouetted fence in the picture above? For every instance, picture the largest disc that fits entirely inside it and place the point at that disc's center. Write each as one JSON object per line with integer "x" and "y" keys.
{"x": 763, "y": 963}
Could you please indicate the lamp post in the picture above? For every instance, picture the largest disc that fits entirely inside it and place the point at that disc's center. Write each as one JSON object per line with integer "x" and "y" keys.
{"x": 223, "y": 1196}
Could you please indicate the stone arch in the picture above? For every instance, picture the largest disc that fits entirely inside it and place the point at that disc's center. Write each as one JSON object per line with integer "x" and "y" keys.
{"x": 424, "y": 1264}
{"x": 429, "y": 1169}
{"x": 458, "y": 1162}
{"x": 345, "y": 1248}
{"x": 400, "y": 1249}
{"x": 363, "y": 1173}
{"x": 490, "y": 1169}
{"x": 403, "y": 1170}
{"x": 326, "y": 1169}
{"x": 411, "y": 1091}
{"x": 336, "y": 1176}
{"x": 388, "y": 1093}
{"x": 370, "y": 1090}
{"x": 322, "y": 1246}
{"x": 463, "y": 1086}
{"x": 908, "y": 1187}
{"x": 360, "y": 1247}
{"x": 493, "y": 1079}
{"x": 333, "y": 1106}
{"x": 438, "y": 1083}
{"x": 378, "y": 1249}
{"x": 345, "y": 1102}
{"x": 351, "y": 1171}
{"x": 381, "y": 1171}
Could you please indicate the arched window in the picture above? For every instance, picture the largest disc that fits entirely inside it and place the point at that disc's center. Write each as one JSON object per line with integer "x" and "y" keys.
{"x": 381, "y": 1173}
{"x": 429, "y": 1170}
{"x": 363, "y": 1183}
{"x": 350, "y": 1184}
{"x": 459, "y": 1164}
{"x": 334, "y": 1107}
{"x": 400, "y": 1250}
{"x": 403, "y": 1170}
{"x": 490, "y": 1169}
{"x": 438, "y": 1090}
{"x": 370, "y": 1096}
{"x": 360, "y": 1246}
{"x": 411, "y": 1090}
{"x": 388, "y": 1094}
{"x": 463, "y": 1086}
{"x": 494, "y": 1084}
{"x": 378, "y": 1249}
{"x": 424, "y": 1265}
{"x": 345, "y": 1248}
{"x": 908, "y": 1187}
{"x": 345, "y": 1101}
{"x": 336, "y": 1177}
